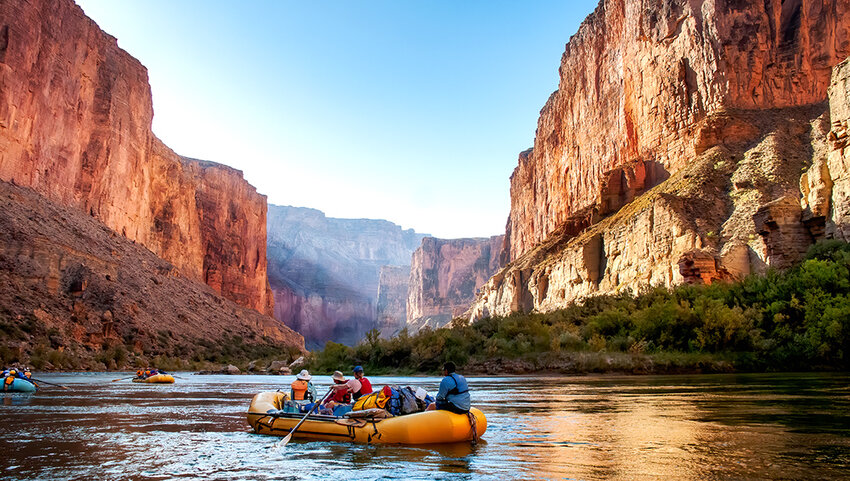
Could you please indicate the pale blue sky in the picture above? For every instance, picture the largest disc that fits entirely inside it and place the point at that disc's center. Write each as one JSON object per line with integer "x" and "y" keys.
{"x": 412, "y": 111}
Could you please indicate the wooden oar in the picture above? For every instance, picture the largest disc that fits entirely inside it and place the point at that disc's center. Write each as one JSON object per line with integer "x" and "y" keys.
{"x": 51, "y": 384}
{"x": 285, "y": 440}
{"x": 122, "y": 378}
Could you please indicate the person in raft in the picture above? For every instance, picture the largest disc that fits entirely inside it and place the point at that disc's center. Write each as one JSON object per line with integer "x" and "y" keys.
{"x": 454, "y": 392}
{"x": 302, "y": 389}
{"x": 365, "y": 385}
{"x": 342, "y": 390}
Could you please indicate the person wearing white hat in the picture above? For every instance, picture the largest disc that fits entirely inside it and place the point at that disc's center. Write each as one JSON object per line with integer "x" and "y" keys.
{"x": 302, "y": 388}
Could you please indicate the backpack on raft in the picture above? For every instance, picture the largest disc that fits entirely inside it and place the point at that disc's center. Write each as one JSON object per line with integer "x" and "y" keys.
{"x": 409, "y": 403}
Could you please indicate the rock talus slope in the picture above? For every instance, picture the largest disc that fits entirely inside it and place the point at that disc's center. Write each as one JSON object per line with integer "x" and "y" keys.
{"x": 75, "y": 125}
{"x": 71, "y": 285}
{"x": 688, "y": 141}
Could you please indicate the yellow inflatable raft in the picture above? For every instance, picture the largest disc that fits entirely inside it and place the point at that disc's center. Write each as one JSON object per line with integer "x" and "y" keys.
{"x": 157, "y": 378}
{"x": 429, "y": 427}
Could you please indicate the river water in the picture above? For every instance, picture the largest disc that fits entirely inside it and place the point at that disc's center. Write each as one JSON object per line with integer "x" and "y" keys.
{"x": 785, "y": 426}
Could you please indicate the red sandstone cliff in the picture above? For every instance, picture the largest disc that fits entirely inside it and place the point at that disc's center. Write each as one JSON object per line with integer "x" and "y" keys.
{"x": 75, "y": 125}
{"x": 444, "y": 276}
{"x": 672, "y": 150}
{"x": 643, "y": 81}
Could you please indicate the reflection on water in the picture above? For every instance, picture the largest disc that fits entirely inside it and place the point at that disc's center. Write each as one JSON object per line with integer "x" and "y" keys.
{"x": 595, "y": 427}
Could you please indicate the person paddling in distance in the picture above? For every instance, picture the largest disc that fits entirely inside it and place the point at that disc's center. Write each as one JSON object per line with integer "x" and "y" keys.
{"x": 454, "y": 392}
{"x": 365, "y": 384}
{"x": 302, "y": 389}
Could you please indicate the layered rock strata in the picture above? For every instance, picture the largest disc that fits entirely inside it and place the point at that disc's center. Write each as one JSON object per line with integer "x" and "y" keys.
{"x": 649, "y": 82}
{"x": 71, "y": 286}
{"x": 392, "y": 299}
{"x": 826, "y": 185}
{"x": 75, "y": 125}
{"x": 673, "y": 149}
{"x": 325, "y": 272}
{"x": 444, "y": 277}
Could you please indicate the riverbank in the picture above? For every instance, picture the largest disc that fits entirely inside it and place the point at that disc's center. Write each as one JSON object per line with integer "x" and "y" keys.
{"x": 792, "y": 321}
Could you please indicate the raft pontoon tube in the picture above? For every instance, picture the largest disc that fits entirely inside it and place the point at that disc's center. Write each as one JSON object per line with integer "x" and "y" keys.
{"x": 428, "y": 427}
{"x": 157, "y": 378}
{"x": 21, "y": 385}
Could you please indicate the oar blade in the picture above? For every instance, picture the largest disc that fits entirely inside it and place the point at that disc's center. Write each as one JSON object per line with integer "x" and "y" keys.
{"x": 283, "y": 442}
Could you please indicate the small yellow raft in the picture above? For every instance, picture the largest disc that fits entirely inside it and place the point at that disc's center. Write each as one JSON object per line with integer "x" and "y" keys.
{"x": 429, "y": 427}
{"x": 157, "y": 378}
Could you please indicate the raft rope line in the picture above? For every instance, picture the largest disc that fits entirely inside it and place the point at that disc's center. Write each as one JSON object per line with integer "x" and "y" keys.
{"x": 474, "y": 424}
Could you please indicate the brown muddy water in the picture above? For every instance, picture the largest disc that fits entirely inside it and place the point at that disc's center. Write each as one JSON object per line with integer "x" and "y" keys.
{"x": 779, "y": 426}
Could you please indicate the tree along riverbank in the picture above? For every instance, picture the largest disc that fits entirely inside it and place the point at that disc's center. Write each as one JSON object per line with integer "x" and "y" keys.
{"x": 792, "y": 320}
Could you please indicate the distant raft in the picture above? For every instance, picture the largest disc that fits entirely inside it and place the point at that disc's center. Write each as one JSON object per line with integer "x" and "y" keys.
{"x": 156, "y": 378}
{"x": 428, "y": 427}
{"x": 20, "y": 385}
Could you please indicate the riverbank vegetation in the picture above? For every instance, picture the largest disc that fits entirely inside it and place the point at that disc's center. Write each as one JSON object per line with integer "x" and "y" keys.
{"x": 798, "y": 319}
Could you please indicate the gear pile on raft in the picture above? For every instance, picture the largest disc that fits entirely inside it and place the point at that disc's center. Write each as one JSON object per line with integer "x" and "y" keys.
{"x": 352, "y": 411}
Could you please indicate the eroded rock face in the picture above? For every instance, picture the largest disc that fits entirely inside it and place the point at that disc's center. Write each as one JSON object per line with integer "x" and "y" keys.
{"x": 75, "y": 125}
{"x": 324, "y": 272}
{"x": 651, "y": 81}
{"x": 444, "y": 277}
{"x": 838, "y": 161}
{"x": 69, "y": 283}
{"x": 392, "y": 299}
{"x": 725, "y": 103}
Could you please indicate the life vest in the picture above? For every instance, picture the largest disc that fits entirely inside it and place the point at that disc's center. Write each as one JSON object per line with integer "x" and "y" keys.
{"x": 365, "y": 386}
{"x": 455, "y": 390}
{"x": 300, "y": 389}
{"x": 341, "y": 395}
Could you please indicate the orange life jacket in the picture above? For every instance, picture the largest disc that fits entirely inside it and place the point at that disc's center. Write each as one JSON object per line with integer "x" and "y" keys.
{"x": 300, "y": 388}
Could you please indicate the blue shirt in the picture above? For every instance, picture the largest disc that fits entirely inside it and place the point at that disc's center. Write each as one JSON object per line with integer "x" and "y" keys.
{"x": 453, "y": 388}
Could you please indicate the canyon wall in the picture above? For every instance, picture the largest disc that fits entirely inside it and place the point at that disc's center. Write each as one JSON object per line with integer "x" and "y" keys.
{"x": 648, "y": 82}
{"x": 392, "y": 299}
{"x": 75, "y": 294}
{"x": 673, "y": 149}
{"x": 75, "y": 125}
{"x": 444, "y": 276}
{"x": 324, "y": 272}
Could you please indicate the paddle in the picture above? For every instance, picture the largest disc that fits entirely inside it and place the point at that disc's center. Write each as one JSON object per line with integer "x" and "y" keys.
{"x": 51, "y": 384}
{"x": 285, "y": 440}
{"x": 122, "y": 378}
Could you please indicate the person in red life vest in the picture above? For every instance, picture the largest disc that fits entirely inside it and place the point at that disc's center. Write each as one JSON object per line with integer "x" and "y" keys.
{"x": 342, "y": 390}
{"x": 365, "y": 385}
{"x": 302, "y": 389}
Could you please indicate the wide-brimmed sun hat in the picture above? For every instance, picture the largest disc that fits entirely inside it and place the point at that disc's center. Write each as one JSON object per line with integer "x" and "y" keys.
{"x": 338, "y": 376}
{"x": 304, "y": 375}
